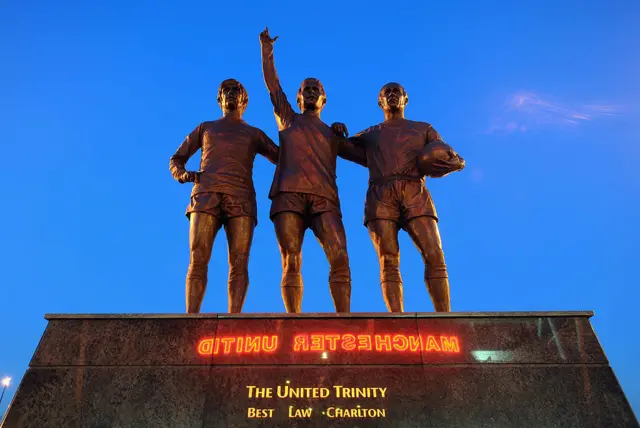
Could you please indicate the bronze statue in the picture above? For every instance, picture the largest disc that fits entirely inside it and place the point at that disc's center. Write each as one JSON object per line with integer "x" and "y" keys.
{"x": 399, "y": 153}
{"x": 223, "y": 193}
{"x": 304, "y": 192}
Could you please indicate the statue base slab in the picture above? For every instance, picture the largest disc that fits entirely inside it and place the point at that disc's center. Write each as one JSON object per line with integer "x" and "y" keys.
{"x": 520, "y": 369}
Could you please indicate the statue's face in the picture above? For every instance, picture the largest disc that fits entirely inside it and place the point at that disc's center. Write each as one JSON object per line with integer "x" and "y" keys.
{"x": 311, "y": 95}
{"x": 392, "y": 97}
{"x": 232, "y": 97}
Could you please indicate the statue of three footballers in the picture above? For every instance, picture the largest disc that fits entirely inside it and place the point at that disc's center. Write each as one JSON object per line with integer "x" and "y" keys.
{"x": 398, "y": 153}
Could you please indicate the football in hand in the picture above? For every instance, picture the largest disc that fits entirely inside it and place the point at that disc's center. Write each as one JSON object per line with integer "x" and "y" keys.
{"x": 438, "y": 159}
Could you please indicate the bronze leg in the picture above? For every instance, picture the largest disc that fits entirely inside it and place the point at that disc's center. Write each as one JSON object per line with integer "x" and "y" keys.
{"x": 202, "y": 232}
{"x": 329, "y": 231}
{"x": 239, "y": 237}
{"x": 384, "y": 235}
{"x": 425, "y": 235}
{"x": 290, "y": 234}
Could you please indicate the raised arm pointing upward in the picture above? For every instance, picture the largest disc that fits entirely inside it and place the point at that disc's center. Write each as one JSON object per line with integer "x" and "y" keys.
{"x": 304, "y": 191}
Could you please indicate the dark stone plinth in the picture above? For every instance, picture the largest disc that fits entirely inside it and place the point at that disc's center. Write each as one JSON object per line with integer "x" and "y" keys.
{"x": 414, "y": 370}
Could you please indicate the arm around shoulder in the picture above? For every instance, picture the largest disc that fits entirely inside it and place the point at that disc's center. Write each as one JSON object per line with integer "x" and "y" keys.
{"x": 267, "y": 148}
{"x": 351, "y": 149}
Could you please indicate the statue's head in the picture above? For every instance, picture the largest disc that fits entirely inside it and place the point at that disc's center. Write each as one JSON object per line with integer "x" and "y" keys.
{"x": 393, "y": 97}
{"x": 311, "y": 95}
{"x": 232, "y": 96}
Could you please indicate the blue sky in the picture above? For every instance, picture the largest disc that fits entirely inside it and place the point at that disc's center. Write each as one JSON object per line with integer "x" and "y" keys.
{"x": 540, "y": 98}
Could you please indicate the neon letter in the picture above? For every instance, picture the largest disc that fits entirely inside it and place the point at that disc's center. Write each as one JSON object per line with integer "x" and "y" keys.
{"x": 364, "y": 342}
{"x": 415, "y": 343}
{"x": 252, "y": 344}
{"x": 432, "y": 345}
{"x": 227, "y": 341}
{"x": 317, "y": 344}
{"x": 301, "y": 343}
{"x": 239, "y": 343}
{"x": 269, "y": 347}
{"x": 383, "y": 343}
{"x": 449, "y": 344}
{"x": 400, "y": 342}
{"x": 332, "y": 339}
{"x": 205, "y": 347}
{"x": 348, "y": 342}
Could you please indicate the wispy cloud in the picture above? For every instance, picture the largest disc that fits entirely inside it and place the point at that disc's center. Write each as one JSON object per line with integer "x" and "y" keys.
{"x": 524, "y": 111}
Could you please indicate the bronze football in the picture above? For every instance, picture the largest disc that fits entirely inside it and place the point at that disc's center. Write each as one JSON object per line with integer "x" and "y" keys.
{"x": 438, "y": 159}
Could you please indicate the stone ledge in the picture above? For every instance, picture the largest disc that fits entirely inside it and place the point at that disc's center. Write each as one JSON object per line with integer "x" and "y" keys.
{"x": 517, "y": 314}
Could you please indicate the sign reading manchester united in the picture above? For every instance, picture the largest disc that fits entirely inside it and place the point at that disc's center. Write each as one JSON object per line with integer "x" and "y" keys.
{"x": 320, "y": 342}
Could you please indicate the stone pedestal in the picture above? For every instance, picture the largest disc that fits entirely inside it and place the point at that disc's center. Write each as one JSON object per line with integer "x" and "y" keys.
{"x": 319, "y": 370}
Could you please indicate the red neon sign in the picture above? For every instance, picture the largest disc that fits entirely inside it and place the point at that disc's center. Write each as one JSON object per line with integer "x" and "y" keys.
{"x": 238, "y": 345}
{"x": 319, "y": 342}
{"x": 377, "y": 342}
